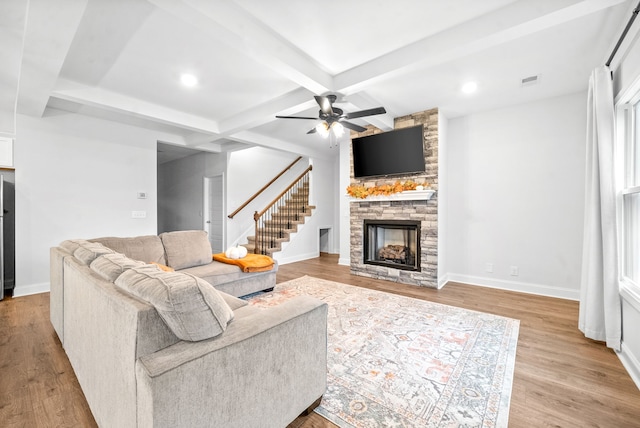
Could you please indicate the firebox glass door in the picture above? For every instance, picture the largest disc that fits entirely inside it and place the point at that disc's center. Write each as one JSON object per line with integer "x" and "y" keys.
{"x": 394, "y": 245}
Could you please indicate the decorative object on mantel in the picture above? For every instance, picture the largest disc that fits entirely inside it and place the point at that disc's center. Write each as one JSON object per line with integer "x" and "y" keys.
{"x": 359, "y": 191}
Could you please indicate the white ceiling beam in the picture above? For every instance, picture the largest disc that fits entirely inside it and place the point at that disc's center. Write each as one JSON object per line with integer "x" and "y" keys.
{"x": 49, "y": 32}
{"x": 14, "y": 17}
{"x": 112, "y": 101}
{"x": 254, "y": 138}
{"x": 288, "y": 104}
{"x": 505, "y": 25}
{"x": 234, "y": 26}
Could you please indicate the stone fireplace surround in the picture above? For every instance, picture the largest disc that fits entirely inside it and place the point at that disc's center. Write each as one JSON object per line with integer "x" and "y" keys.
{"x": 421, "y": 208}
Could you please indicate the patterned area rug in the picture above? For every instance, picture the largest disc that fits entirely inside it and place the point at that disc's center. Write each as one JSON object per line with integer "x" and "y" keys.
{"x": 395, "y": 361}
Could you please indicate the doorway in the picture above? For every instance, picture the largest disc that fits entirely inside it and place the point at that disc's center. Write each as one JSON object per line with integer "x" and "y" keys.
{"x": 214, "y": 209}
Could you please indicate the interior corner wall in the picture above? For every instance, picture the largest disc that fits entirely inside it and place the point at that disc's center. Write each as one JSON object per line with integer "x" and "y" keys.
{"x": 516, "y": 196}
{"x": 77, "y": 177}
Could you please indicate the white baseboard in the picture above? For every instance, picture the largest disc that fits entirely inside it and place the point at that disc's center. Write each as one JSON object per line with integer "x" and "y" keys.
{"x": 344, "y": 261}
{"x": 442, "y": 281}
{"x": 27, "y": 290}
{"x": 522, "y": 287}
{"x": 296, "y": 258}
{"x": 631, "y": 363}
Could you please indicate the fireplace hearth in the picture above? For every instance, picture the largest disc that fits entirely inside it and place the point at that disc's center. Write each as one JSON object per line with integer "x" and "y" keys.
{"x": 392, "y": 243}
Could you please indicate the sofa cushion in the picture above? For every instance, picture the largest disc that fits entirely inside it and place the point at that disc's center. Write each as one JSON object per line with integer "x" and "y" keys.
{"x": 186, "y": 248}
{"x": 233, "y": 302}
{"x": 111, "y": 266}
{"x": 146, "y": 248}
{"x": 71, "y": 245}
{"x": 190, "y": 307}
{"x": 88, "y": 252}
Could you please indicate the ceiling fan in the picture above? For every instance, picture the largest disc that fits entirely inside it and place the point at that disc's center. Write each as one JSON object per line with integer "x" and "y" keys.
{"x": 333, "y": 115}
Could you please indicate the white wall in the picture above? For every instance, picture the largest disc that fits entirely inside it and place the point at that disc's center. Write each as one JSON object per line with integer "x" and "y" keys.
{"x": 443, "y": 200}
{"x": 516, "y": 196}
{"x": 344, "y": 204}
{"x": 77, "y": 177}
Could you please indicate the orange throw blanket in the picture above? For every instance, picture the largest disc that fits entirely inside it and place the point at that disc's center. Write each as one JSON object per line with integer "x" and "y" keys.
{"x": 249, "y": 263}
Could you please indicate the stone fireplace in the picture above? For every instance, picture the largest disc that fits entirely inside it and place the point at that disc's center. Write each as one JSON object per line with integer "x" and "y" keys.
{"x": 410, "y": 262}
{"x": 392, "y": 243}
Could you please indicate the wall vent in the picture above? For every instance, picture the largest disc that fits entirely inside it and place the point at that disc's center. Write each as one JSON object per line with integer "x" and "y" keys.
{"x": 531, "y": 80}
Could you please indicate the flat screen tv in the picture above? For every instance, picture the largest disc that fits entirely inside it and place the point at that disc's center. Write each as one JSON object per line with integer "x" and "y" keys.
{"x": 391, "y": 153}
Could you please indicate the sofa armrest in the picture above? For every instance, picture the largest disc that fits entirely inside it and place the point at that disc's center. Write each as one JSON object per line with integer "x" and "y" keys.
{"x": 265, "y": 370}
{"x": 56, "y": 290}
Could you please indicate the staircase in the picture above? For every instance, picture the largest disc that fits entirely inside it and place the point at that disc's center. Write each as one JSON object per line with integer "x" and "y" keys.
{"x": 276, "y": 223}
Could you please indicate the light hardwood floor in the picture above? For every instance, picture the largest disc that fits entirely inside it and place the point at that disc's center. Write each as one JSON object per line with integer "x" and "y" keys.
{"x": 561, "y": 379}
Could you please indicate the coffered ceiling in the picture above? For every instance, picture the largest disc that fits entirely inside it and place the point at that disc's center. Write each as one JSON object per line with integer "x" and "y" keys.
{"x": 122, "y": 60}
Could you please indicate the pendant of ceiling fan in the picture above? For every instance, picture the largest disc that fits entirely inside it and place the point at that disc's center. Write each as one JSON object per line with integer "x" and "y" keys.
{"x": 331, "y": 114}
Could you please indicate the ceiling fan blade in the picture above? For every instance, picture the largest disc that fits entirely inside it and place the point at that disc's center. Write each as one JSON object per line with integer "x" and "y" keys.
{"x": 296, "y": 117}
{"x": 325, "y": 104}
{"x": 352, "y": 126}
{"x": 312, "y": 131}
{"x": 368, "y": 112}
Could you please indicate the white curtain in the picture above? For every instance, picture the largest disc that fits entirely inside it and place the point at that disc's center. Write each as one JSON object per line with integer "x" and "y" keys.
{"x": 600, "y": 311}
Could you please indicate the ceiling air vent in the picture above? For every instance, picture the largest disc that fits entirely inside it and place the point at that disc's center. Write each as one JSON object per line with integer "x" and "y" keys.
{"x": 530, "y": 81}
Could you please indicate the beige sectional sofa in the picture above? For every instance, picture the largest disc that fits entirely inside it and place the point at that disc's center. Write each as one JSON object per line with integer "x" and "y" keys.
{"x": 166, "y": 349}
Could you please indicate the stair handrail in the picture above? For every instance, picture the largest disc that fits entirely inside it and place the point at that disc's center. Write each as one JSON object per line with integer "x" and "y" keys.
{"x": 279, "y": 202}
{"x": 257, "y": 214}
{"x": 265, "y": 187}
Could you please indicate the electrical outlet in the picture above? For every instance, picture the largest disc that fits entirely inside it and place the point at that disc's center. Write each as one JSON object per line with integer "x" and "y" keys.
{"x": 488, "y": 267}
{"x": 514, "y": 271}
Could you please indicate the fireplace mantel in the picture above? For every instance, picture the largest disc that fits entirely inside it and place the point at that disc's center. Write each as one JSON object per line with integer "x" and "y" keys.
{"x": 407, "y": 195}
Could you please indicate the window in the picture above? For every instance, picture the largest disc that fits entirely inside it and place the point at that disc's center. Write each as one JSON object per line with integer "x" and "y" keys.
{"x": 629, "y": 195}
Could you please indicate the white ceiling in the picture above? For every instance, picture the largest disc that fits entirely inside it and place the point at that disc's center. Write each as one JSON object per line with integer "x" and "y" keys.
{"x": 122, "y": 59}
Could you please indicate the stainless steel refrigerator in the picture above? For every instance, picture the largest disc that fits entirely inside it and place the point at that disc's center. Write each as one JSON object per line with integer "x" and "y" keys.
{"x": 7, "y": 231}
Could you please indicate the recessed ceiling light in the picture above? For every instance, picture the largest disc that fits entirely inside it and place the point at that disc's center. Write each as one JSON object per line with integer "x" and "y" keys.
{"x": 469, "y": 87}
{"x": 189, "y": 80}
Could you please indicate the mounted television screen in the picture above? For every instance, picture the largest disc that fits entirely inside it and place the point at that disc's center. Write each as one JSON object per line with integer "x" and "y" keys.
{"x": 390, "y": 153}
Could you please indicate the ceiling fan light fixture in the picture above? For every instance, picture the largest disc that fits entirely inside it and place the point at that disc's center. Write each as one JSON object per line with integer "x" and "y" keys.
{"x": 323, "y": 129}
{"x": 338, "y": 129}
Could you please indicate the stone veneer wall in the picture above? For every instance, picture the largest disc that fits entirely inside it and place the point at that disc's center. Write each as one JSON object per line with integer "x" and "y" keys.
{"x": 425, "y": 211}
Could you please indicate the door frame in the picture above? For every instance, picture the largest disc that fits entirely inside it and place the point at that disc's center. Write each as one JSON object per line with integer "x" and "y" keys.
{"x": 206, "y": 214}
